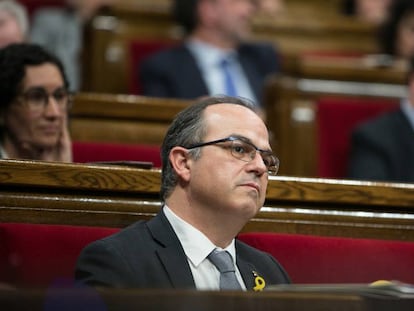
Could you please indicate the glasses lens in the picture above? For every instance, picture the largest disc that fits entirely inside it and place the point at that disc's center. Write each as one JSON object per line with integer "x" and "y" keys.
{"x": 36, "y": 97}
{"x": 242, "y": 150}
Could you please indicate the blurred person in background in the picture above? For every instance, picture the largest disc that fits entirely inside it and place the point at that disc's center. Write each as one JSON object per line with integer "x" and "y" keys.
{"x": 217, "y": 56}
{"x": 60, "y": 30}
{"x": 34, "y": 104}
{"x": 397, "y": 32}
{"x": 14, "y": 22}
{"x": 382, "y": 149}
{"x": 371, "y": 11}
{"x": 271, "y": 8}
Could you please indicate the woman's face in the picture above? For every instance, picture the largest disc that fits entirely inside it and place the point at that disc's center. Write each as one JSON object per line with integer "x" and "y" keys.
{"x": 405, "y": 37}
{"x": 37, "y": 126}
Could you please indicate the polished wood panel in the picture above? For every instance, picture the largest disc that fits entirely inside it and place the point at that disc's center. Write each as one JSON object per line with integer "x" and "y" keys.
{"x": 293, "y": 298}
{"x": 122, "y": 118}
{"x": 115, "y": 196}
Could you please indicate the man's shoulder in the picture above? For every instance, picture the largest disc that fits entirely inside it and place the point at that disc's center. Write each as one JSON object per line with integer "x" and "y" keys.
{"x": 169, "y": 55}
{"x": 381, "y": 124}
{"x": 257, "y": 47}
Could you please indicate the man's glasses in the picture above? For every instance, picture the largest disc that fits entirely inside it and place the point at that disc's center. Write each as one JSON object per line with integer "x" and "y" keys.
{"x": 245, "y": 151}
{"x": 36, "y": 99}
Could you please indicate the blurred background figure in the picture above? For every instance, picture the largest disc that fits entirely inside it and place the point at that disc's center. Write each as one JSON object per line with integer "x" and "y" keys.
{"x": 34, "y": 103}
{"x": 14, "y": 22}
{"x": 383, "y": 148}
{"x": 217, "y": 56}
{"x": 60, "y": 30}
{"x": 371, "y": 11}
{"x": 271, "y": 8}
{"x": 397, "y": 32}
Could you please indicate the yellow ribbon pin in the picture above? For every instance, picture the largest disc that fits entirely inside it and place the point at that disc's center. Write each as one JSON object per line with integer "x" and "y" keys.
{"x": 259, "y": 282}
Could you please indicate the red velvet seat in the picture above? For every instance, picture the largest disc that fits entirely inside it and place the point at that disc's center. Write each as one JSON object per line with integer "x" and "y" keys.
{"x": 33, "y": 255}
{"x": 139, "y": 50}
{"x": 84, "y": 152}
{"x": 33, "y": 5}
{"x": 313, "y": 259}
{"x": 336, "y": 118}
{"x": 42, "y": 255}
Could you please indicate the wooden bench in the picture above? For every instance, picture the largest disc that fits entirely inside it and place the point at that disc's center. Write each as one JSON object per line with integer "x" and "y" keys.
{"x": 316, "y": 228}
{"x": 116, "y": 196}
{"x": 292, "y": 106}
{"x": 122, "y": 118}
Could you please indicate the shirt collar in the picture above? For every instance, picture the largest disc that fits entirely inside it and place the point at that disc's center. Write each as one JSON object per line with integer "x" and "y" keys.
{"x": 195, "y": 244}
{"x": 207, "y": 54}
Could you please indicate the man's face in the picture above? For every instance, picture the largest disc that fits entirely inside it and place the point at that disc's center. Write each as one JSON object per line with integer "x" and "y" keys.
{"x": 43, "y": 128}
{"x": 10, "y": 31}
{"x": 219, "y": 180}
{"x": 233, "y": 17}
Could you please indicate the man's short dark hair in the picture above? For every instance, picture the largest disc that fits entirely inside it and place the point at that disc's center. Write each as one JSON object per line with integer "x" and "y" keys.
{"x": 187, "y": 129}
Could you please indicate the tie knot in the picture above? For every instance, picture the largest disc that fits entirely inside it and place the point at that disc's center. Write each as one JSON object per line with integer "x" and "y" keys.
{"x": 225, "y": 62}
{"x": 222, "y": 260}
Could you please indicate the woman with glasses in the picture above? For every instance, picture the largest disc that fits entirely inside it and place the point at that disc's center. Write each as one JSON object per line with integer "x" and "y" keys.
{"x": 34, "y": 104}
{"x": 216, "y": 161}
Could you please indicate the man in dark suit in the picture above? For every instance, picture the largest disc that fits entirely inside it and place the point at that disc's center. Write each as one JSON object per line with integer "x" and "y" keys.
{"x": 382, "y": 149}
{"x": 216, "y": 162}
{"x": 217, "y": 30}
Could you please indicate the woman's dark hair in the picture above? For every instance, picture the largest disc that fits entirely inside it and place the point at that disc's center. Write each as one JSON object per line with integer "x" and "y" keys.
{"x": 388, "y": 32}
{"x": 13, "y": 61}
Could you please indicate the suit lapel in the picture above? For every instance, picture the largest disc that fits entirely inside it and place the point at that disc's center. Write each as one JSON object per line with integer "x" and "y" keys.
{"x": 190, "y": 76}
{"x": 246, "y": 270}
{"x": 171, "y": 254}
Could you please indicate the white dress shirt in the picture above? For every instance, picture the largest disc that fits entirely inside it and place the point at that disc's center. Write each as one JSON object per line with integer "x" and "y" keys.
{"x": 208, "y": 58}
{"x": 197, "y": 247}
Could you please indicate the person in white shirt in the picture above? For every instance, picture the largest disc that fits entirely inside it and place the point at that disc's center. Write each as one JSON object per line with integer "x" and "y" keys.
{"x": 216, "y": 163}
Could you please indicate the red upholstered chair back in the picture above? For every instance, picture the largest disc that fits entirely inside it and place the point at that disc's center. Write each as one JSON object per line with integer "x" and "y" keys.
{"x": 313, "y": 259}
{"x": 84, "y": 152}
{"x": 336, "y": 119}
{"x": 139, "y": 50}
{"x": 33, "y": 255}
{"x": 33, "y": 5}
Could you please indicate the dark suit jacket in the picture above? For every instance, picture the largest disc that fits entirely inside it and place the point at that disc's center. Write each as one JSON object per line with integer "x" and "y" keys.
{"x": 149, "y": 255}
{"x": 383, "y": 149}
{"x": 175, "y": 73}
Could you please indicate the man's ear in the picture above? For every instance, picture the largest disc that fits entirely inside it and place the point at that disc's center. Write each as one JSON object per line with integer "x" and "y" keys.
{"x": 181, "y": 162}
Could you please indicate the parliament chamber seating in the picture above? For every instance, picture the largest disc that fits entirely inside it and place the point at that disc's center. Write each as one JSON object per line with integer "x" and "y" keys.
{"x": 87, "y": 152}
{"x": 49, "y": 211}
{"x": 139, "y": 50}
{"x": 311, "y": 118}
{"x": 336, "y": 118}
{"x": 39, "y": 255}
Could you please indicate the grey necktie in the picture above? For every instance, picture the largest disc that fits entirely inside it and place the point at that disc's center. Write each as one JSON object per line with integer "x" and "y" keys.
{"x": 224, "y": 263}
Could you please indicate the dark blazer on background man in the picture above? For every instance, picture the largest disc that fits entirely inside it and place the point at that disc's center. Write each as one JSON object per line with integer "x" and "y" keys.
{"x": 149, "y": 255}
{"x": 175, "y": 73}
{"x": 383, "y": 149}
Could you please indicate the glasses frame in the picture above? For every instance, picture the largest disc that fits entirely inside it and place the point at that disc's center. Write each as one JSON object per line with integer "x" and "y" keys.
{"x": 37, "y": 108}
{"x": 252, "y": 155}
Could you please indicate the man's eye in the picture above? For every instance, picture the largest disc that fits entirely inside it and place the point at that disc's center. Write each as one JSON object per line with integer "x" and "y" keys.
{"x": 266, "y": 161}
{"x": 59, "y": 96}
{"x": 239, "y": 149}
